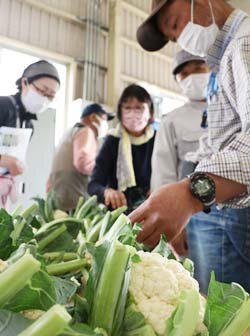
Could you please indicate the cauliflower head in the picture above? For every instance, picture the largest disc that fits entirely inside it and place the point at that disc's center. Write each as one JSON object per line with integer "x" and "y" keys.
{"x": 59, "y": 214}
{"x": 156, "y": 284}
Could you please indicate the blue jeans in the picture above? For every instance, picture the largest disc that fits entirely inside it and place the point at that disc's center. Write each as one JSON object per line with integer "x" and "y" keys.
{"x": 220, "y": 242}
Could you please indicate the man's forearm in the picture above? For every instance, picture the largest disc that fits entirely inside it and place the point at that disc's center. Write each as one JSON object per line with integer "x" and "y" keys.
{"x": 227, "y": 189}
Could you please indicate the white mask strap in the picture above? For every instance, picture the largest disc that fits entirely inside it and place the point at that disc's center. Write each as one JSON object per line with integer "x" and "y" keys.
{"x": 192, "y": 11}
{"x": 211, "y": 9}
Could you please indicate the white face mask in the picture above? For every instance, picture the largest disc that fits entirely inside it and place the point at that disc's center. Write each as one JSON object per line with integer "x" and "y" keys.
{"x": 195, "y": 86}
{"x": 196, "y": 39}
{"x": 102, "y": 127}
{"x": 34, "y": 102}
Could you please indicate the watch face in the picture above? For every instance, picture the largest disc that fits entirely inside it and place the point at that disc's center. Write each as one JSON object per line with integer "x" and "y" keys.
{"x": 203, "y": 187}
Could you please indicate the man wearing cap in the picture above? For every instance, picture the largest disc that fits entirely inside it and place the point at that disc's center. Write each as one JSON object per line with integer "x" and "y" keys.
{"x": 210, "y": 28}
{"x": 181, "y": 129}
{"x": 37, "y": 88}
{"x": 75, "y": 156}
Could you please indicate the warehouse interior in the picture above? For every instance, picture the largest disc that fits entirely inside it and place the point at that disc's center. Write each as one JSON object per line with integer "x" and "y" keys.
{"x": 93, "y": 44}
{"x": 124, "y": 173}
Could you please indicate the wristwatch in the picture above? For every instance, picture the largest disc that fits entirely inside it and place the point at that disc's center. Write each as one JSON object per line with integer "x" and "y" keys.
{"x": 202, "y": 187}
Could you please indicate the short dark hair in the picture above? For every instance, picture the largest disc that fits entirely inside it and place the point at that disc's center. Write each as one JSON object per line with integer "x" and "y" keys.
{"x": 138, "y": 92}
{"x": 182, "y": 66}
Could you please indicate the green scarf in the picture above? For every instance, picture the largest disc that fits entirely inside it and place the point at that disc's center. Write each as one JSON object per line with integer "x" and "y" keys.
{"x": 124, "y": 168}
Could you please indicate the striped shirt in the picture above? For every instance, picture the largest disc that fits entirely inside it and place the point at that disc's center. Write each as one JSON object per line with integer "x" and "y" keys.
{"x": 229, "y": 110}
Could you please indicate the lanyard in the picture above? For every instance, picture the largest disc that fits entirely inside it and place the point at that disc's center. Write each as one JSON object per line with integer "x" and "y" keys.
{"x": 212, "y": 90}
{"x": 213, "y": 87}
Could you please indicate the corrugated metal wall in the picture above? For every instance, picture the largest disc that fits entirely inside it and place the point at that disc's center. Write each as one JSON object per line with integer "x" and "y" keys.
{"x": 57, "y": 26}
{"x": 30, "y": 22}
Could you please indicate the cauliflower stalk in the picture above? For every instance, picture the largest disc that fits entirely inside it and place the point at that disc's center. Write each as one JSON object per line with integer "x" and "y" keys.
{"x": 142, "y": 294}
{"x": 137, "y": 293}
{"x": 158, "y": 285}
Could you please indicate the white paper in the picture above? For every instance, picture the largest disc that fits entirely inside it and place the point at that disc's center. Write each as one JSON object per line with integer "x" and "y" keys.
{"x": 14, "y": 142}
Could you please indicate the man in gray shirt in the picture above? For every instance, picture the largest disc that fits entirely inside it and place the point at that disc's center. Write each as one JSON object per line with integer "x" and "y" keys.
{"x": 181, "y": 129}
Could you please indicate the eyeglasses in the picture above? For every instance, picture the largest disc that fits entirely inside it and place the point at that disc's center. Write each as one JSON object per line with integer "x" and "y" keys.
{"x": 136, "y": 109}
{"x": 43, "y": 92}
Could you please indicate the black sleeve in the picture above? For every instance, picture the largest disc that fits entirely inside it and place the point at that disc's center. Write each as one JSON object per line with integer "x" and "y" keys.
{"x": 101, "y": 176}
{"x": 7, "y": 113}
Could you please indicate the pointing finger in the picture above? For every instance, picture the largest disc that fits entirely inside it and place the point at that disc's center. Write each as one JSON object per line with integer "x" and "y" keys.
{"x": 139, "y": 215}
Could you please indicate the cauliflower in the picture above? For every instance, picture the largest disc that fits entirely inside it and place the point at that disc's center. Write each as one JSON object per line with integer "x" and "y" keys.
{"x": 3, "y": 265}
{"x": 59, "y": 214}
{"x": 32, "y": 314}
{"x": 155, "y": 286}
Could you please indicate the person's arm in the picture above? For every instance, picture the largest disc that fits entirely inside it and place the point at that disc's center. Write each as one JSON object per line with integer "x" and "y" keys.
{"x": 164, "y": 159}
{"x": 14, "y": 166}
{"x": 84, "y": 151}
{"x": 169, "y": 208}
{"x": 98, "y": 184}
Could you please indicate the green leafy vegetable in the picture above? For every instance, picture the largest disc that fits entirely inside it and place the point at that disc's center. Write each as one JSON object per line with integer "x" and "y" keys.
{"x": 224, "y": 303}
{"x": 65, "y": 267}
{"x": 39, "y": 293}
{"x": 22, "y": 232}
{"x": 114, "y": 297}
{"x": 65, "y": 289}
{"x": 82, "y": 330}
{"x": 85, "y": 208}
{"x": 11, "y": 324}
{"x": 50, "y": 323}
{"x": 186, "y": 315}
{"x": 105, "y": 224}
{"x": 16, "y": 276}
{"x": 6, "y": 228}
{"x": 146, "y": 330}
{"x": 164, "y": 249}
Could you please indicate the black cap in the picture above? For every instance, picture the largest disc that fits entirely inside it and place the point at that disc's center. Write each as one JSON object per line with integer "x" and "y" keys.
{"x": 38, "y": 70}
{"x": 95, "y": 108}
{"x": 148, "y": 34}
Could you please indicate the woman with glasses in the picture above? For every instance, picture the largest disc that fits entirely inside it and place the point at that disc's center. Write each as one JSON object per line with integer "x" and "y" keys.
{"x": 37, "y": 88}
{"x": 123, "y": 167}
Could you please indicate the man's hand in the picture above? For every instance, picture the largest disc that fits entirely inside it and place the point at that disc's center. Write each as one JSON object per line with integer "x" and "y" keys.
{"x": 14, "y": 166}
{"x": 166, "y": 211}
{"x": 180, "y": 244}
{"x": 114, "y": 198}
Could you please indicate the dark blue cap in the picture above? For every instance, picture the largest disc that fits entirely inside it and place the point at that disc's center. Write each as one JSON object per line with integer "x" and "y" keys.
{"x": 95, "y": 108}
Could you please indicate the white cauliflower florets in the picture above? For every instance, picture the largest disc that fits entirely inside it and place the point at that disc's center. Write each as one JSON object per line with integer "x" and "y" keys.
{"x": 32, "y": 314}
{"x": 156, "y": 284}
{"x": 3, "y": 265}
{"x": 59, "y": 214}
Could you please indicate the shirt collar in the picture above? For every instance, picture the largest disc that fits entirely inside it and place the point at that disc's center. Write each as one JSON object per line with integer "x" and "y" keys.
{"x": 225, "y": 36}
